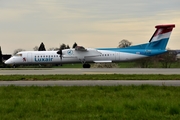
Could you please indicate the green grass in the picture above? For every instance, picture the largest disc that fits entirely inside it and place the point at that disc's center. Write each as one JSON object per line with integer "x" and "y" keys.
{"x": 91, "y": 77}
{"x": 87, "y": 103}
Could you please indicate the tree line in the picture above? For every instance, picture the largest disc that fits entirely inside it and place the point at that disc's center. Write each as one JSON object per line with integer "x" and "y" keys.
{"x": 123, "y": 43}
{"x": 43, "y": 48}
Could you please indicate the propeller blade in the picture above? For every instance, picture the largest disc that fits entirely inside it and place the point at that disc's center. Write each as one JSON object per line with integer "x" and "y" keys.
{"x": 60, "y": 53}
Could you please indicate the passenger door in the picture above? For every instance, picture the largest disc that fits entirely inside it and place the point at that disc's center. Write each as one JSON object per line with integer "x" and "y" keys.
{"x": 29, "y": 57}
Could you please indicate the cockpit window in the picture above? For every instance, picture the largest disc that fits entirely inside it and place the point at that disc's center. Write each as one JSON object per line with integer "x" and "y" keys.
{"x": 18, "y": 55}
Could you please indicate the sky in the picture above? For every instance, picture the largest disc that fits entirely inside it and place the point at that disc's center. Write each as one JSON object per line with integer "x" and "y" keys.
{"x": 24, "y": 24}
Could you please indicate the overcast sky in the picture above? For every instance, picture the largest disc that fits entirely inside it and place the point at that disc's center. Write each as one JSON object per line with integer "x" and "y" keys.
{"x": 91, "y": 23}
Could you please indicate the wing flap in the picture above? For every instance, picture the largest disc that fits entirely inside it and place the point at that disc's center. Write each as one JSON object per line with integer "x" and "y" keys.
{"x": 80, "y": 48}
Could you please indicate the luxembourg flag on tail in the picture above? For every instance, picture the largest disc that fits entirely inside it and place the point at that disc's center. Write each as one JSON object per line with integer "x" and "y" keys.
{"x": 160, "y": 37}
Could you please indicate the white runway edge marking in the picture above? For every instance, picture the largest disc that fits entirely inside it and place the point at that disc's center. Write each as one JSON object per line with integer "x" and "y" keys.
{"x": 92, "y": 83}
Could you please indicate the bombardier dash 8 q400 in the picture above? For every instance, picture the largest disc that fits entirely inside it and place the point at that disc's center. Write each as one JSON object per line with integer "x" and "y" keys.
{"x": 156, "y": 45}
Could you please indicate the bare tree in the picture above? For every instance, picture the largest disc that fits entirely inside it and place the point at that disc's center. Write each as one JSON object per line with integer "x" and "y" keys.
{"x": 36, "y": 48}
{"x": 124, "y": 43}
{"x": 64, "y": 46}
{"x": 67, "y": 47}
{"x": 144, "y": 62}
{"x": 18, "y": 50}
{"x": 53, "y": 49}
{"x": 167, "y": 58}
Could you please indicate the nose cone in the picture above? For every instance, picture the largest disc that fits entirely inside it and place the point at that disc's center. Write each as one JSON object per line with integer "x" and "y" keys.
{"x": 9, "y": 61}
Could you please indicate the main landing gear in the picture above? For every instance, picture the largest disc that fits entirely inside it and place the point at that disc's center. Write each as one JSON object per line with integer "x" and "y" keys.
{"x": 85, "y": 65}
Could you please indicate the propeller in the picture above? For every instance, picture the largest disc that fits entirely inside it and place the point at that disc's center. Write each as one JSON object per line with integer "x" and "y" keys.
{"x": 60, "y": 52}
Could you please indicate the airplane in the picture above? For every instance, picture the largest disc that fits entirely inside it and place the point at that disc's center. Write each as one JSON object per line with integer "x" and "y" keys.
{"x": 79, "y": 54}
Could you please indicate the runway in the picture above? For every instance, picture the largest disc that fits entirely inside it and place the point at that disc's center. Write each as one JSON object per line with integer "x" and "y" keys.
{"x": 92, "y": 83}
{"x": 53, "y": 71}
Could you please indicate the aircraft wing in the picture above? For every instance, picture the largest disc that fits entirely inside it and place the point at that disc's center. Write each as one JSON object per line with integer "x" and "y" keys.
{"x": 81, "y": 53}
{"x": 87, "y": 53}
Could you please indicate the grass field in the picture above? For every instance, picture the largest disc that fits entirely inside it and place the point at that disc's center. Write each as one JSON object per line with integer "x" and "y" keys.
{"x": 89, "y": 103}
{"x": 91, "y": 77}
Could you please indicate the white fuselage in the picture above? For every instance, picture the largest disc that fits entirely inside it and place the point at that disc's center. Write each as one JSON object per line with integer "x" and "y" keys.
{"x": 71, "y": 56}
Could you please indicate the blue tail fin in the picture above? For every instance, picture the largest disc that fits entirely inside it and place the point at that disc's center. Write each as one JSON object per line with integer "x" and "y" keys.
{"x": 160, "y": 37}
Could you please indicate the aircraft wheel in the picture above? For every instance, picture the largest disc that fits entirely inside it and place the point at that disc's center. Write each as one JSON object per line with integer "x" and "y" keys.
{"x": 86, "y": 65}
